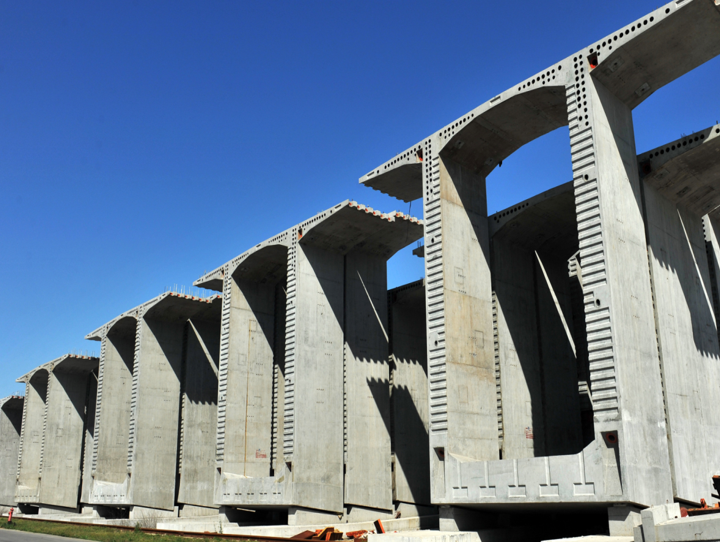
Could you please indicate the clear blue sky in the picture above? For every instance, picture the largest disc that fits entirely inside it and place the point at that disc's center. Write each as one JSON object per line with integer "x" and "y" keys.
{"x": 142, "y": 143}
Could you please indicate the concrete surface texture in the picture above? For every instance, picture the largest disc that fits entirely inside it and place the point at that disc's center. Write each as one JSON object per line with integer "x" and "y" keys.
{"x": 304, "y": 404}
{"x": 678, "y": 190}
{"x": 559, "y": 355}
{"x": 11, "y": 413}
{"x": 145, "y": 355}
{"x": 496, "y": 435}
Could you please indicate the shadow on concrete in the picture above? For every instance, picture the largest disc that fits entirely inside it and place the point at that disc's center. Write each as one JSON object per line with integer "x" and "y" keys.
{"x": 409, "y": 436}
{"x": 681, "y": 261}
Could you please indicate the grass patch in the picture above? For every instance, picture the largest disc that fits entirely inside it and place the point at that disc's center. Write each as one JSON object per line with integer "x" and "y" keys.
{"x": 96, "y": 533}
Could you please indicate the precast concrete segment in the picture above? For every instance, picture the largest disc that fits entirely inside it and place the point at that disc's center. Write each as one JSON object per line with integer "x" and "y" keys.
{"x": 631, "y": 63}
{"x": 409, "y": 399}
{"x": 11, "y": 411}
{"x": 64, "y": 426}
{"x": 54, "y": 421}
{"x": 303, "y": 364}
{"x": 622, "y": 350}
{"x": 596, "y": 101}
{"x": 143, "y": 363}
{"x": 680, "y": 180}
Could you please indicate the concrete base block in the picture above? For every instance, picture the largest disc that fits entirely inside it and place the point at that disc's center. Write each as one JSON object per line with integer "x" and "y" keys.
{"x": 655, "y": 515}
{"x": 148, "y": 517}
{"x": 56, "y": 510}
{"x": 455, "y": 519}
{"x": 622, "y": 519}
{"x": 192, "y": 511}
{"x": 305, "y": 516}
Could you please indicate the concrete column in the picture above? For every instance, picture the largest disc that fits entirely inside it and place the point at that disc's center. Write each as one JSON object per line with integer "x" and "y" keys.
{"x": 64, "y": 427}
{"x": 688, "y": 341}
{"x": 368, "y": 477}
{"x": 409, "y": 393}
{"x": 156, "y": 409}
{"x": 31, "y": 439}
{"x": 11, "y": 411}
{"x": 624, "y": 364}
{"x": 248, "y": 411}
{"x": 463, "y": 405}
{"x": 317, "y": 374}
{"x": 199, "y": 413}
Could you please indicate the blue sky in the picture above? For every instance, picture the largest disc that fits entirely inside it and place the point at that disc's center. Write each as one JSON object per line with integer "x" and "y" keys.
{"x": 142, "y": 143}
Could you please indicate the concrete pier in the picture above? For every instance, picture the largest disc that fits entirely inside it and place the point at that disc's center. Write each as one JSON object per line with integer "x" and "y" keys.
{"x": 305, "y": 330}
{"x": 11, "y": 413}
{"x": 59, "y": 395}
{"x": 145, "y": 355}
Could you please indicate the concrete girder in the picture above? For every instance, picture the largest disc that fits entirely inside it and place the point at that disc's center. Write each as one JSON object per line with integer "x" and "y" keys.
{"x": 632, "y": 63}
{"x": 11, "y": 411}
{"x": 154, "y": 361}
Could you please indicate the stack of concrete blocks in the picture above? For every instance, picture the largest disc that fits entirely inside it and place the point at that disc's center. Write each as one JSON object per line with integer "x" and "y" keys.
{"x": 304, "y": 396}
{"x": 477, "y": 460}
{"x": 156, "y": 406}
{"x": 11, "y": 410}
{"x": 59, "y": 401}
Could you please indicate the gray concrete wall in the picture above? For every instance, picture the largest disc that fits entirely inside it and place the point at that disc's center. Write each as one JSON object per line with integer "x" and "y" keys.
{"x": 89, "y": 442}
{"x": 63, "y": 442}
{"x": 11, "y": 411}
{"x": 317, "y": 453}
{"x": 154, "y": 441}
{"x": 368, "y": 476}
{"x": 31, "y": 439}
{"x": 248, "y": 410}
{"x": 538, "y": 369}
{"x": 409, "y": 394}
{"x": 688, "y": 342}
{"x": 114, "y": 403}
{"x": 199, "y": 414}
{"x": 518, "y": 350}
